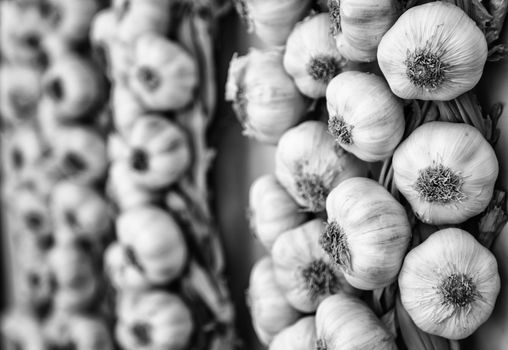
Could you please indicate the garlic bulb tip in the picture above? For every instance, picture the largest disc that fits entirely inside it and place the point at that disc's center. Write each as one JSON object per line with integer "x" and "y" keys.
{"x": 334, "y": 242}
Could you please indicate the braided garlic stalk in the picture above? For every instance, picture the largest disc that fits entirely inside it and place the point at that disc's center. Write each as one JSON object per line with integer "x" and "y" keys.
{"x": 166, "y": 265}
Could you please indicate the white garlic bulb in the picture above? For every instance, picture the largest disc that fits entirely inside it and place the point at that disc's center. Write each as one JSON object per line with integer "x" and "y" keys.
{"x": 270, "y": 311}
{"x": 365, "y": 118}
{"x": 304, "y": 271}
{"x": 272, "y": 20}
{"x": 446, "y": 171}
{"x": 344, "y": 322}
{"x": 433, "y": 52}
{"x": 362, "y": 24}
{"x": 368, "y": 233}
{"x": 265, "y": 98}
{"x": 311, "y": 57}
{"x": 309, "y": 164}
{"x": 449, "y": 284}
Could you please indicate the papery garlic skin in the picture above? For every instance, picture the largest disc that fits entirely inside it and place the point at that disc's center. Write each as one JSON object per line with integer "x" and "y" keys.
{"x": 272, "y": 20}
{"x": 362, "y": 24}
{"x": 270, "y": 311}
{"x": 303, "y": 270}
{"x": 272, "y": 211}
{"x": 368, "y": 233}
{"x": 365, "y": 118}
{"x": 300, "y": 336}
{"x": 449, "y": 284}
{"x": 309, "y": 164}
{"x": 446, "y": 171}
{"x": 433, "y": 52}
{"x": 265, "y": 98}
{"x": 344, "y": 322}
{"x": 311, "y": 57}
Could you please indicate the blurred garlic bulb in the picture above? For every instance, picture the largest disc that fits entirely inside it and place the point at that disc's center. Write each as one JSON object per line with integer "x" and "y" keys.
{"x": 79, "y": 153}
{"x": 31, "y": 212}
{"x": 300, "y": 336}
{"x": 74, "y": 331}
{"x": 75, "y": 87}
{"x": 70, "y": 20}
{"x": 311, "y": 57}
{"x": 19, "y": 93}
{"x": 368, "y": 233}
{"x": 157, "y": 152}
{"x": 23, "y": 150}
{"x": 365, "y": 118}
{"x": 154, "y": 320}
{"x": 449, "y": 284}
{"x": 272, "y": 211}
{"x": 433, "y": 52}
{"x": 270, "y": 311}
{"x": 303, "y": 270}
{"x": 272, "y": 20}
{"x": 359, "y": 26}
{"x": 21, "y": 31}
{"x": 164, "y": 75}
{"x": 80, "y": 211}
{"x": 265, "y": 98}
{"x": 343, "y": 322}
{"x": 446, "y": 171}
{"x": 21, "y": 329}
{"x": 309, "y": 164}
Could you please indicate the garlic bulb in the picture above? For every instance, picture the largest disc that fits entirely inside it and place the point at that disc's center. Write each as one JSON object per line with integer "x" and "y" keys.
{"x": 300, "y": 336}
{"x": 309, "y": 164}
{"x": 270, "y": 311}
{"x": 164, "y": 75}
{"x": 20, "y": 91}
{"x": 343, "y": 322}
{"x": 265, "y": 98}
{"x": 272, "y": 20}
{"x": 362, "y": 24}
{"x": 446, "y": 172}
{"x": 368, "y": 233}
{"x": 311, "y": 57}
{"x": 272, "y": 211}
{"x": 449, "y": 284}
{"x": 303, "y": 270}
{"x": 433, "y": 52}
{"x": 365, "y": 118}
